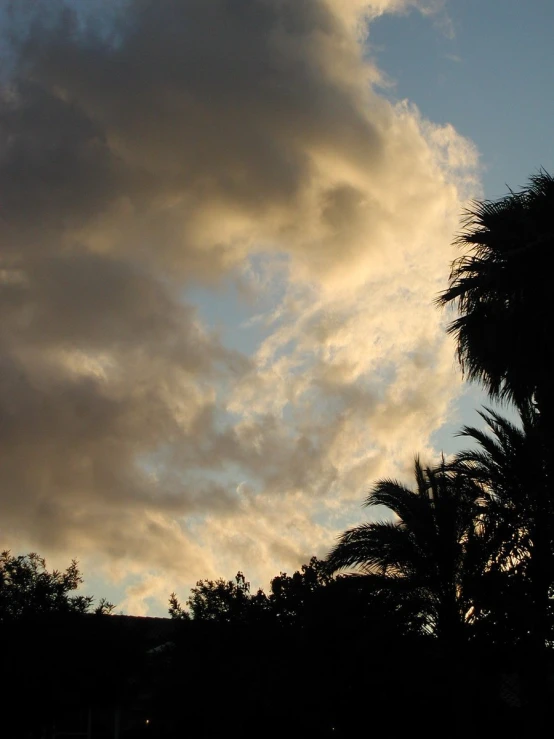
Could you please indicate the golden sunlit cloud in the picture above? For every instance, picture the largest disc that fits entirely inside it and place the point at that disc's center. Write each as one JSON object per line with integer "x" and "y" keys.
{"x": 177, "y": 145}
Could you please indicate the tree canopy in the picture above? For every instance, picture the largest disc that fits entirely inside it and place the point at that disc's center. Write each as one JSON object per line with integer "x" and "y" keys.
{"x": 28, "y": 589}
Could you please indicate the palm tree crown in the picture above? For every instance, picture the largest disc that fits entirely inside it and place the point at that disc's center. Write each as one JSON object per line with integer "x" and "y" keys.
{"x": 429, "y": 548}
{"x": 501, "y": 288}
{"x": 508, "y": 465}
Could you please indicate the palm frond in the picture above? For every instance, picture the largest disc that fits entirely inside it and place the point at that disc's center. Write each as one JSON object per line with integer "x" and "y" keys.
{"x": 379, "y": 548}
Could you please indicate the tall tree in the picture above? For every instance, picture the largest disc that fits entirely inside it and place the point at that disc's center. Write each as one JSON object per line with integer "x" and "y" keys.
{"x": 432, "y": 547}
{"x": 508, "y": 464}
{"x": 509, "y": 467}
{"x": 434, "y": 550}
{"x": 501, "y": 286}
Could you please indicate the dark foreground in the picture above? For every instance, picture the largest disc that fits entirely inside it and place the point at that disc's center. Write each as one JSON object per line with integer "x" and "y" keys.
{"x": 112, "y": 676}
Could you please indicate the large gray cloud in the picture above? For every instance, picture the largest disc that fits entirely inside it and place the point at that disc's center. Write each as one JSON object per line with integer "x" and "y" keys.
{"x": 165, "y": 145}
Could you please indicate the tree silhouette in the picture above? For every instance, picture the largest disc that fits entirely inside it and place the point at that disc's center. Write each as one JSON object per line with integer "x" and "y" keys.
{"x": 433, "y": 552}
{"x": 221, "y": 601}
{"x": 294, "y": 598}
{"x": 509, "y": 467}
{"x": 54, "y": 649}
{"x": 515, "y": 588}
{"x": 432, "y": 548}
{"x": 29, "y": 590}
{"x": 501, "y": 288}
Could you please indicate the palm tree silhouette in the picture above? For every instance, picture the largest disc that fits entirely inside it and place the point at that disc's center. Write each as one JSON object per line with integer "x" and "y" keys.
{"x": 501, "y": 288}
{"x": 509, "y": 467}
{"x": 431, "y": 548}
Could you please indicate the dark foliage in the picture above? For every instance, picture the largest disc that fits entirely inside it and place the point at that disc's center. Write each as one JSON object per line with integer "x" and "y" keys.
{"x": 28, "y": 589}
{"x": 429, "y": 553}
{"x": 501, "y": 286}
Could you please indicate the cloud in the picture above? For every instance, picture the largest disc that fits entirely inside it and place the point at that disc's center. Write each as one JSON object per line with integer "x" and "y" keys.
{"x": 176, "y": 144}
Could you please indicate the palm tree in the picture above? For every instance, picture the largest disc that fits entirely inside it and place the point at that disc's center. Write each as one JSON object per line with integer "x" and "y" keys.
{"x": 502, "y": 288}
{"x": 431, "y": 548}
{"x": 508, "y": 465}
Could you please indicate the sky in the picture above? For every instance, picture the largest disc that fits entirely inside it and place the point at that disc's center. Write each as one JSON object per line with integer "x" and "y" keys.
{"x": 223, "y": 224}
